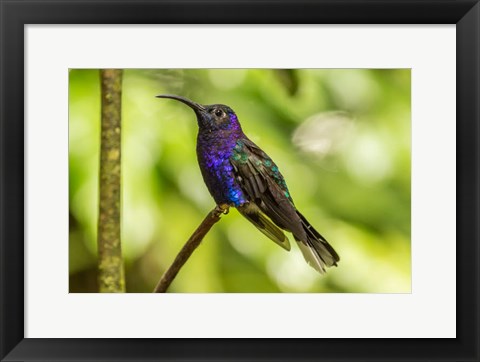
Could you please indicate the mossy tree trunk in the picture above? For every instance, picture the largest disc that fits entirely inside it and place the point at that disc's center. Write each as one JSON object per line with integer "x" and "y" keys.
{"x": 110, "y": 262}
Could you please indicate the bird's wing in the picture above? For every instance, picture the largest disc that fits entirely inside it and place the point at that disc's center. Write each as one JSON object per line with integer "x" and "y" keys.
{"x": 261, "y": 180}
{"x": 253, "y": 214}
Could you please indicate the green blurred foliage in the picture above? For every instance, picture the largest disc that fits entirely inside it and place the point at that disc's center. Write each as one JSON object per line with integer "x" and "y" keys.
{"x": 340, "y": 137}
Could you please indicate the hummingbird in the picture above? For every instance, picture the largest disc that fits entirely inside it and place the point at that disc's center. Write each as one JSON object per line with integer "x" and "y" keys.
{"x": 239, "y": 174}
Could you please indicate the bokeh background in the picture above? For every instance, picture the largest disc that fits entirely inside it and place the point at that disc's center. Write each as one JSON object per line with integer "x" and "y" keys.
{"x": 341, "y": 138}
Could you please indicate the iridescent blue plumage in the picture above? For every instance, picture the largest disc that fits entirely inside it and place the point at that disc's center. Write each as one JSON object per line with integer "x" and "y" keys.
{"x": 239, "y": 174}
{"x": 214, "y": 150}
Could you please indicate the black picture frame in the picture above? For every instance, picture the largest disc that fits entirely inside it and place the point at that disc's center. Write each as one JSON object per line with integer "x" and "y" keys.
{"x": 16, "y": 14}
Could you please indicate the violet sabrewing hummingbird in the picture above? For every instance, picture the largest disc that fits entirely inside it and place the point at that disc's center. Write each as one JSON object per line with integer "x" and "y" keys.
{"x": 239, "y": 174}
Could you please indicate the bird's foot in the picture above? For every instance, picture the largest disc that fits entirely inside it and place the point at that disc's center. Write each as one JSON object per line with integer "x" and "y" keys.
{"x": 222, "y": 209}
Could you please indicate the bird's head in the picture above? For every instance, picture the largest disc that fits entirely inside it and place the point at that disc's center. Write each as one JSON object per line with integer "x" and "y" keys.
{"x": 213, "y": 117}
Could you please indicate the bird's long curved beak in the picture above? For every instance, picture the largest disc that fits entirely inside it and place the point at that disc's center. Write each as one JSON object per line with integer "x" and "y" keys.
{"x": 188, "y": 102}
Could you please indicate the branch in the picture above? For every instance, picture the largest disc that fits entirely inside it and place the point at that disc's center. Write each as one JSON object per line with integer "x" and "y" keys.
{"x": 110, "y": 263}
{"x": 189, "y": 247}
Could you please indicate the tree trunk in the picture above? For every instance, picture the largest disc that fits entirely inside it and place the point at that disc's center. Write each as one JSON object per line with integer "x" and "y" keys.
{"x": 110, "y": 263}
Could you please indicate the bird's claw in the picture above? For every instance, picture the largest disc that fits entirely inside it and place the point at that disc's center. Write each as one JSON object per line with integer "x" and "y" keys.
{"x": 222, "y": 209}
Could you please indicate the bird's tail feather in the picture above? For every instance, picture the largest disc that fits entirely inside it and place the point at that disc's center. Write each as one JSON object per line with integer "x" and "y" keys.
{"x": 315, "y": 249}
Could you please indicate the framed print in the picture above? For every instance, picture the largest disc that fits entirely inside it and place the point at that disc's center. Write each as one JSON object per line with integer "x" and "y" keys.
{"x": 404, "y": 92}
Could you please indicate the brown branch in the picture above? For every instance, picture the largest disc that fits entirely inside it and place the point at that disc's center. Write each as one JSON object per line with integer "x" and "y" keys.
{"x": 110, "y": 263}
{"x": 189, "y": 247}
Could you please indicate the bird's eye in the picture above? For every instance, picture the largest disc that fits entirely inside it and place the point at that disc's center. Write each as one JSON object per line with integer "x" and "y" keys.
{"x": 218, "y": 112}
